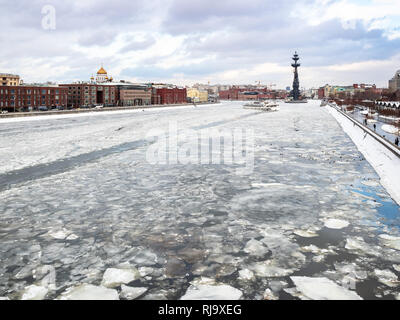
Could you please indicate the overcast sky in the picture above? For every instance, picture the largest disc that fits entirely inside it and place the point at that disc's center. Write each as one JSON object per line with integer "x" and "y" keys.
{"x": 189, "y": 41}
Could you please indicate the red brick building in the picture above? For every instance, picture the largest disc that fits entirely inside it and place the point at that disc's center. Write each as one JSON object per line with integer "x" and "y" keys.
{"x": 30, "y": 97}
{"x": 168, "y": 95}
{"x": 86, "y": 94}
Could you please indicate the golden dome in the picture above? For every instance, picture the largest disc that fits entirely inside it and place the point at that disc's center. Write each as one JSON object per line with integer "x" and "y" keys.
{"x": 102, "y": 71}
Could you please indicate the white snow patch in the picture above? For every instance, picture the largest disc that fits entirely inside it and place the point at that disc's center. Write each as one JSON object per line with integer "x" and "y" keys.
{"x": 89, "y": 292}
{"x": 212, "y": 292}
{"x": 390, "y": 129}
{"x": 323, "y": 289}
{"x": 115, "y": 277}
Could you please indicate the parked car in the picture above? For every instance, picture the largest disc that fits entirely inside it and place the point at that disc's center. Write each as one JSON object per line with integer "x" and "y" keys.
{"x": 60, "y": 108}
{"x": 99, "y": 106}
{"x": 43, "y": 108}
{"x": 4, "y": 112}
{"x": 84, "y": 107}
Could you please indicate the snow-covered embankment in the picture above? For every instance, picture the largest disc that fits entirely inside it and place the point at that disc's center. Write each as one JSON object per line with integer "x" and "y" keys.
{"x": 385, "y": 162}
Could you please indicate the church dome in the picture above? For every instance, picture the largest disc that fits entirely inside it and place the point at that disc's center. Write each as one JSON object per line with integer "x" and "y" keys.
{"x": 102, "y": 71}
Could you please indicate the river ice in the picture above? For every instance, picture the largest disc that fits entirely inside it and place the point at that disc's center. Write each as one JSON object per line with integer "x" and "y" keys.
{"x": 81, "y": 209}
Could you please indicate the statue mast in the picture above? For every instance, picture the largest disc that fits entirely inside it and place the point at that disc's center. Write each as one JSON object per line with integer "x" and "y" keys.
{"x": 296, "y": 83}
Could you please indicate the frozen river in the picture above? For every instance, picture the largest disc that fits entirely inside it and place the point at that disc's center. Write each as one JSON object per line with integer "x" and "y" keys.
{"x": 84, "y": 214}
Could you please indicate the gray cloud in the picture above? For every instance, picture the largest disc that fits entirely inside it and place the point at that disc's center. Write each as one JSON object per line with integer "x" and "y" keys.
{"x": 223, "y": 35}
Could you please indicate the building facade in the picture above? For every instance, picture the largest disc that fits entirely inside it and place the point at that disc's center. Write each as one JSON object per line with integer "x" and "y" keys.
{"x": 196, "y": 95}
{"x": 134, "y": 95}
{"x": 394, "y": 83}
{"x": 86, "y": 94}
{"x": 7, "y": 79}
{"x": 168, "y": 95}
{"x": 26, "y": 97}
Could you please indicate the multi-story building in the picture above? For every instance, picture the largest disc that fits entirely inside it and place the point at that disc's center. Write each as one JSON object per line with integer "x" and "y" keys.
{"x": 394, "y": 83}
{"x": 168, "y": 94}
{"x": 7, "y": 79}
{"x": 197, "y": 95}
{"x": 31, "y": 97}
{"x": 85, "y": 94}
{"x": 134, "y": 94}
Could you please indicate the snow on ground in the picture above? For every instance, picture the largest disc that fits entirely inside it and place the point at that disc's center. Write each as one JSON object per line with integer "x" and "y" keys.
{"x": 68, "y": 217}
{"x": 385, "y": 162}
{"x": 390, "y": 129}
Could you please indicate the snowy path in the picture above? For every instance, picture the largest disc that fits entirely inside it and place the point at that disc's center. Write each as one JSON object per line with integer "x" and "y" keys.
{"x": 78, "y": 198}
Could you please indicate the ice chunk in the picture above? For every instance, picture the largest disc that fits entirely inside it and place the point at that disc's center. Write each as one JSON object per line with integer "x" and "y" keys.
{"x": 390, "y": 241}
{"x": 396, "y": 267}
{"x": 246, "y": 274}
{"x": 256, "y": 248}
{"x": 115, "y": 277}
{"x": 89, "y": 292}
{"x": 305, "y": 233}
{"x": 277, "y": 286}
{"x": 336, "y": 224}
{"x": 212, "y": 292}
{"x": 387, "y": 277}
{"x": 72, "y": 237}
{"x": 130, "y": 293}
{"x": 268, "y": 269}
{"x": 269, "y": 295}
{"x": 4, "y": 298}
{"x": 59, "y": 234}
{"x": 323, "y": 289}
{"x": 203, "y": 281}
{"x": 145, "y": 258}
{"x": 359, "y": 244}
{"x": 34, "y": 292}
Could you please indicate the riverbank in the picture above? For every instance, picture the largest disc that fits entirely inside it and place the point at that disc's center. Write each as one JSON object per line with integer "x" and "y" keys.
{"x": 66, "y": 112}
{"x": 381, "y": 154}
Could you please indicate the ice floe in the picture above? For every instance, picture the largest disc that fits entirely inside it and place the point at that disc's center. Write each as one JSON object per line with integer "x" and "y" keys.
{"x": 390, "y": 241}
{"x": 246, "y": 275}
{"x": 267, "y": 269}
{"x": 115, "y": 277}
{"x": 269, "y": 295}
{"x": 34, "y": 292}
{"x": 387, "y": 277}
{"x": 131, "y": 293}
{"x": 323, "y": 289}
{"x": 212, "y": 292}
{"x": 256, "y": 248}
{"x": 336, "y": 224}
{"x": 358, "y": 244}
{"x": 89, "y": 292}
{"x": 305, "y": 233}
